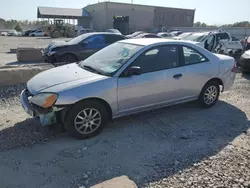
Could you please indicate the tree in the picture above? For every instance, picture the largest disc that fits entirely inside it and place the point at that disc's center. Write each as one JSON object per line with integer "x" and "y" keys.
{"x": 197, "y": 24}
{"x": 18, "y": 28}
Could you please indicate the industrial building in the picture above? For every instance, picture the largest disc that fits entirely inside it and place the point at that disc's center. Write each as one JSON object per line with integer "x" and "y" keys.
{"x": 123, "y": 16}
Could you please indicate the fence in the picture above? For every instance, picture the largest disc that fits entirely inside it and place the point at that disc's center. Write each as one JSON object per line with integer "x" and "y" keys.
{"x": 239, "y": 32}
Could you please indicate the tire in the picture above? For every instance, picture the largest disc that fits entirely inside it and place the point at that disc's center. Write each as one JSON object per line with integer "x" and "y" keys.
{"x": 68, "y": 58}
{"x": 78, "y": 127}
{"x": 210, "y": 90}
{"x": 33, "y": 35}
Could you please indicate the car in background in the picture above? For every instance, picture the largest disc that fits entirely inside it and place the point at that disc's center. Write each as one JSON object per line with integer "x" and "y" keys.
{"x": 124, "y": 78}
{"x": 217, "y": 42}
{"x": 116, "y": 31}
{"x": 37, "y": 33}
{"x": 79, "y": 48}
{"x": 4, "y": 33}
{"x": 165, "y": 35}
{"x": 246, "y": 43}
{"x": 181, "y": 36}
{"x": 244, "y": 62}
{"x": 26, "y": 33}
{"x": 84, "y": 30}
{"x": 147, "y": 35}
{"x": 12, "y": 33}
{"x": 134, "y": 34}
{"x": 176, "y": 33}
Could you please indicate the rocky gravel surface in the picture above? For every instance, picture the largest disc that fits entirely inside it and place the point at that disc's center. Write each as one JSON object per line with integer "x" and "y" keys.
{"x": 179, "y": 146}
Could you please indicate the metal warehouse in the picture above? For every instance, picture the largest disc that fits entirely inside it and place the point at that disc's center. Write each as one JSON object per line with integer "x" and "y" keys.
{"x": 122, "y": 16}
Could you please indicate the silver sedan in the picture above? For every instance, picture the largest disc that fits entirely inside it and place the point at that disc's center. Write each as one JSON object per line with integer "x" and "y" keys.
{"x": 126, "y": 77}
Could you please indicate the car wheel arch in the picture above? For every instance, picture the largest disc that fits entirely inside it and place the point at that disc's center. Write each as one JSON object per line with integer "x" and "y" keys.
{"x": 100, "y": 100}
{"x": 68, "y": 53}
{"x": 218, "y": 80}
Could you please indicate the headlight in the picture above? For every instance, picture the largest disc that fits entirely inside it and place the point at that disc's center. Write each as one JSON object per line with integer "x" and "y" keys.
{"x": 44, "y": 100}
{"x": 50, "y": 53}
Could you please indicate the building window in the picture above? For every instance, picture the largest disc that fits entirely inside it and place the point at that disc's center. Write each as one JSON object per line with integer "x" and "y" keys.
{"x": 162, "y": 16}
{"x": 182, "y": 17}
{"x": 189, "y": 18}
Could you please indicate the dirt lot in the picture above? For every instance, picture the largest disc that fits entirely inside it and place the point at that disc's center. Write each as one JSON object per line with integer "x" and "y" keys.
{"x": 7, "y": 43}
{"x": 180, "y": 146}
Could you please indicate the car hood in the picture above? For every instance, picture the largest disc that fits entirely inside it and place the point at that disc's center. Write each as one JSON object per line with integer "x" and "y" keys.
{"x": 55, "y": 44}
{"x": 59, "y": 76}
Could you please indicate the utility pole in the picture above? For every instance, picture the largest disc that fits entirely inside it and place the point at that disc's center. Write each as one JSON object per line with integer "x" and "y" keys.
{"x": 132, "y": 1}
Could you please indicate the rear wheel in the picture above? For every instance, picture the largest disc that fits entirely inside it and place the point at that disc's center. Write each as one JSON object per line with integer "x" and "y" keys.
{"x": 68, "y": 58}
{"x": 209, "y": 94}
{"x": 86, "y": 119}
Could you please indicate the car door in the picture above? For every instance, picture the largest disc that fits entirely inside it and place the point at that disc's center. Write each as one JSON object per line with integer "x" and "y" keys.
{"x": 91, "y": 45}
{"x": 197, "y": 70}
{"x": 159, "y": 82}
{"x": 38, "y": 33}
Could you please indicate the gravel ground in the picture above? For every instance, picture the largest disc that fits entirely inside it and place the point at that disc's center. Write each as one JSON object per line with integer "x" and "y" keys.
{"x": 179, "y": 146}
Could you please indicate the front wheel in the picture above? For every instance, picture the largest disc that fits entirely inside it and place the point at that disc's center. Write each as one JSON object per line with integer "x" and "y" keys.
{"x": 86, "y": 119}
{"x": 68, "y": 58}
{"x": 209, "y": 94}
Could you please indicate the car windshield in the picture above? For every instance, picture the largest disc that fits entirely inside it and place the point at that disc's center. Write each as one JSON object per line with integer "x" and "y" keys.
{"x": 184, "y": 35}
{"x": 113, "y": 31}
{"x": 197, "y": 37}
{"x": 78, "y": 39}
{"x": 136, "y": 33}
{"x": 108, "y": 60}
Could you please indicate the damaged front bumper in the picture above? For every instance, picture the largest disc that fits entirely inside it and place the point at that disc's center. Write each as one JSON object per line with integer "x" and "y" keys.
{"x": 45, "y": 116}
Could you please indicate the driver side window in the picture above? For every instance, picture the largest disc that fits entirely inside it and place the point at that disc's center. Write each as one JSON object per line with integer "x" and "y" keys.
{"x": 95, "y": 41}
{"x": 159, "y": 58}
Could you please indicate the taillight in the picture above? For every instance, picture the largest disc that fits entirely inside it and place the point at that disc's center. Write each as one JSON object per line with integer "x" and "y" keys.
{"x": 234, "y": 67}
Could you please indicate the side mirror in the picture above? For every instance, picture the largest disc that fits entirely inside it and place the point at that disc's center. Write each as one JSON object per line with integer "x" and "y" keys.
{"x": 132, "y": 71}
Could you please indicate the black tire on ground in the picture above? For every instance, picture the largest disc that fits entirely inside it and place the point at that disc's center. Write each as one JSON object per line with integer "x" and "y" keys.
{"x": 82, "y": 112}
{"x": 55, "y": 33}
{"x": 210, "y": 90}
{"x": 32, "y": 35}
{"x": 68, "y": 58}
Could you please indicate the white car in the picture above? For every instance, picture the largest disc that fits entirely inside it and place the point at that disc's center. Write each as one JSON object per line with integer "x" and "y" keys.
{"x": 38, "y": 33}
{"x": 4, "y": 33}
{"x": 218, "y": 42}
{"x": 181, "y": 36}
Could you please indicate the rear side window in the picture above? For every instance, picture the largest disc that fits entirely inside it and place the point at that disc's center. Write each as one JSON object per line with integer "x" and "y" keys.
{"x": 223, "y": 36}
{"x": 192, "y": 56}
{"x": 113, "y": 38}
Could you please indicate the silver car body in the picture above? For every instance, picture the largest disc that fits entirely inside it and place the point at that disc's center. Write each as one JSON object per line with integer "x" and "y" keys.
{"x": 127, "y": 95}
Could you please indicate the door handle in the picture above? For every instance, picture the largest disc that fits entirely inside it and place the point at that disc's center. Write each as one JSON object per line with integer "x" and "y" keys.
{"x": 177, "y": 76}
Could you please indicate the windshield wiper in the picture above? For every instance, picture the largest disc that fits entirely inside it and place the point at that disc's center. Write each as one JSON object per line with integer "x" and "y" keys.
{"x": 93, "y": 69}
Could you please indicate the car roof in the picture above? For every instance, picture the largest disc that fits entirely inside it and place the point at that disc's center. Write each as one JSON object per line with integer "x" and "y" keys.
{"x": 103, "y": 33}
{"x": 150, "y": 41}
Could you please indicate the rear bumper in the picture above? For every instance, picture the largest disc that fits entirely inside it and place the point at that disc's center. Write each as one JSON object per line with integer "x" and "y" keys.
{"x": 229, "y": 82}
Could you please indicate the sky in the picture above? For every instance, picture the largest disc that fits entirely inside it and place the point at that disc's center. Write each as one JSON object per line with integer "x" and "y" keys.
{"x": 209, "y": 11}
